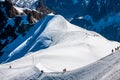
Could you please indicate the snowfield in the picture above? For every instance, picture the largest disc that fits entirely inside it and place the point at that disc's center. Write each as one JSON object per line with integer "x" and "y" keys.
{"x": 52, "y": 45}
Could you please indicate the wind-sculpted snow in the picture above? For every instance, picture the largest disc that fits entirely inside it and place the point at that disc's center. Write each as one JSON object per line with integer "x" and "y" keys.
{"x": 65, "y": 46}
{"x": 28, "y": 43}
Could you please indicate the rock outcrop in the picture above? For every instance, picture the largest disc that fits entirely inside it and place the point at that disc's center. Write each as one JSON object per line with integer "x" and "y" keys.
{"x": 14, "y": 23}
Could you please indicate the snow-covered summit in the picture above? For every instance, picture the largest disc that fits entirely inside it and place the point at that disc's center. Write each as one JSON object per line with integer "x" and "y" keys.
{"x": 100, "y": 13}
{"x": 67, "y": 46}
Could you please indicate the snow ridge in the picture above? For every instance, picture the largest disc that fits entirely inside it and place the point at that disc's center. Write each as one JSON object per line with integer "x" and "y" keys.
{"x": 68, "y": 46}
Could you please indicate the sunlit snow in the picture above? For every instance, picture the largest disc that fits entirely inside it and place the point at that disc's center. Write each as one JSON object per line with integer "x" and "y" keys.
{"x": 70, "y": 47}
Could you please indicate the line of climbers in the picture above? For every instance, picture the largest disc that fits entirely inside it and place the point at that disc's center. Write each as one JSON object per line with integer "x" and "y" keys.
{"x": 64, "y": 70}
{"x": 117, "y": 48}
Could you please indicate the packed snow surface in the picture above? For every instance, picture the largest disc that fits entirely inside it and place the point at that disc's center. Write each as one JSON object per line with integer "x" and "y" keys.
{"x": 68, "y": 46}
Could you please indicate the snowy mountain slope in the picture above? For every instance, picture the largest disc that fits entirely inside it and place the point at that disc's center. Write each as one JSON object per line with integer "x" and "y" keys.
{"x": 24, "y": 44}
{"x": 15, "y": 21}
{"x": 25, "y": 73}
{"x": 96, "y": 10}
{"x": 49, "y": 32}
{"x": 101, "y": 16}
{"x": 107, "y": 68}
{"x": 104, "y": 69}
{"x": 108, "y": 26}
{"x": 70, "y": 47}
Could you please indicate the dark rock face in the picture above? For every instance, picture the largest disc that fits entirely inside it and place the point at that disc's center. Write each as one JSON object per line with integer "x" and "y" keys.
{"x": 13, "y": 23}
{"x": 67, "y": 8}
{"x": 59, "y": 3}
{"x": 95, "y": 8}
{"x": 92, "y": 11}
{"x": 100, "y": 8}
{"x": 103, "y": 14}
{"x": 112, "y": 32}
{"x": 10, "y": 10}
{"x": 33, "y": 15}
{"x": 40, "y": 7}
{"x": 64, "y": 7}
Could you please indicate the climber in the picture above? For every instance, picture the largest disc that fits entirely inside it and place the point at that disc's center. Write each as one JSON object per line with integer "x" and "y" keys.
{"x": 42, "y": 71}
{"x": 112, "y": 50}
{"x": 64, "y": 70}
{"x": 10, "y": 66}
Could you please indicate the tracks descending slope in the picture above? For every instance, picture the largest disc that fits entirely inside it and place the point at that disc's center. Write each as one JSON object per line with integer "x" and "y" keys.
{"x": 107, "y": 68}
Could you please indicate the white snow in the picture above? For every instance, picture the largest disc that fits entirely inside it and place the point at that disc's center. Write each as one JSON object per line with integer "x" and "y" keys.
{"x": 81, "y": 17}
{"x": 20, "y": 10}
{"x": 107, "y": 68}
{"x": 70, "y": 47}
{"x": 25, "y": 3}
